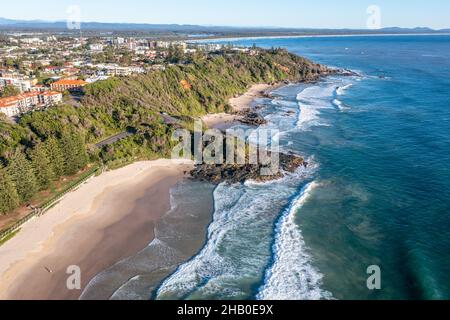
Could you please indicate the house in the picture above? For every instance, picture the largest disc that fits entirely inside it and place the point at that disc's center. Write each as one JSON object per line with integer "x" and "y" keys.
{"x": 9, "y": 107}
{"x": 16, "y": 105}
{"x": 23, "y": 85}
{"x": 54, "y": 69}
{"x": 39, "y": 88}
{"x": 71, "y": 85}
{"x": 96, "y": 47}
{"x": 96, "y": 78}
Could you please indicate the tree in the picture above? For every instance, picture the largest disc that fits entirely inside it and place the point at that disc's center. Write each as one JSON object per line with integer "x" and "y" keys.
{"x": 175, "y": 54}
{"x": 9, "y": 198}
{"x": 9, "y": 91}
{"x": 54, "y": 153}
{"x": 22, "y": 175}
{"x": 42, "y": 166}
{"x": 75, "y": 155}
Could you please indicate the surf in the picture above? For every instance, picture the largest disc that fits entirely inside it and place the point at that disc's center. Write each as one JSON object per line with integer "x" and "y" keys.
{"x": 292, "y": 275}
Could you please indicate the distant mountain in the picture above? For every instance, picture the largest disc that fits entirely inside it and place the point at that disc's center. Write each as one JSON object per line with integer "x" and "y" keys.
{"x": 418, "y": 29}
{"x": 10, "y": 24}
{"x": 4, "y": 21}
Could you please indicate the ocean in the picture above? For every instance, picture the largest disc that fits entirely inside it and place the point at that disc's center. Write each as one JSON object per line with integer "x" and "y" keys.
{"x": 376, "y": 191}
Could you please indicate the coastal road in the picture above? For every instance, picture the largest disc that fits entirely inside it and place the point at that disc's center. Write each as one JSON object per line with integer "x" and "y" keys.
{"x": 115, "y": 138}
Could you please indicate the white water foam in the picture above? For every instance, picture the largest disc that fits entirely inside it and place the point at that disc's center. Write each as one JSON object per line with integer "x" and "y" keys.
{"x": 311, "y": 100}
{"x": 340, "y": 105}
{"x": 292, "y": 277}
{"x": 341, "y": 90}
{"x": 236, "y": 251}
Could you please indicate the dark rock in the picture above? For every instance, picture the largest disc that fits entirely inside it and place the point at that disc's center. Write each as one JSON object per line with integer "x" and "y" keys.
{"x": 251, "y": 118}
{"x": 241, "y": 173}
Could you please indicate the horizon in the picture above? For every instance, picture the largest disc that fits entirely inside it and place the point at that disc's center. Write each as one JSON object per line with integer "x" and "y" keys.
{"x": 301, "y": 14}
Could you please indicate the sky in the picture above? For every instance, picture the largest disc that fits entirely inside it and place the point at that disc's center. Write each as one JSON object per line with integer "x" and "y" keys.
{"x": 257, "y": 13}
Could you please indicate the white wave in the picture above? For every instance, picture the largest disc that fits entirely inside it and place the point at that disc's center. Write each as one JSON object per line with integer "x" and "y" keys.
{"x": 238, "y": 237}
{"x": 311, "y": 100}
{"x": 292, "y": 277}
{"x": 341, "y": 90}
{"x": 338, "y": 103}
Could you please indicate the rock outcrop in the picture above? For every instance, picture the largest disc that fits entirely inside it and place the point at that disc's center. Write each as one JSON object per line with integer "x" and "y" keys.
{"x": 289, "y": 163}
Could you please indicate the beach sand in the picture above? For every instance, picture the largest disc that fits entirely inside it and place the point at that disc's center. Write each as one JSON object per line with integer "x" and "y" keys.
{"x": 107, "y": 219}
{"x": 243, "y": 102}
{"x": 224, "y": 121}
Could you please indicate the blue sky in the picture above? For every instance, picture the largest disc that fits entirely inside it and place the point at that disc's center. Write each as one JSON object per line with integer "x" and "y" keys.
{"x": 283, "y": 13}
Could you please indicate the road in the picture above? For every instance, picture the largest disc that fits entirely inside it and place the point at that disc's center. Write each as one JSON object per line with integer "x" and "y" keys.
{"x": 114, "y": 138}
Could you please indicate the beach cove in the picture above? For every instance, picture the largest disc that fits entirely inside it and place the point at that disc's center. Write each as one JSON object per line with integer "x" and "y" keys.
{"x": 108, "y": 218}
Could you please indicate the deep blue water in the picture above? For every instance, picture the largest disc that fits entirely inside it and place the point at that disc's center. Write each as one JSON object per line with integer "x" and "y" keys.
{"x": 377, "y": 192}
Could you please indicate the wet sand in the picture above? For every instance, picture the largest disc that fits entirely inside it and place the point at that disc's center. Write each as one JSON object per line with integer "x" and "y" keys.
{"x": 109, "y": 218}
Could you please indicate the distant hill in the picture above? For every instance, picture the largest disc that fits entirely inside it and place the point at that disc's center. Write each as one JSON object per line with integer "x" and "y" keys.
{"x": 10, "y": 24}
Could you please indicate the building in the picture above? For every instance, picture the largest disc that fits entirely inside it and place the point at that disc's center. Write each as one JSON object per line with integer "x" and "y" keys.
{"x": 96, "y": 47}
{"x": 114, "y": 70}
{"x": 22, "y": 103}
{"x": 40, "y": 88}
{"x": 97, "y": 78}
{"x": 70, "y": 85}
{"x": 22, "y": 85}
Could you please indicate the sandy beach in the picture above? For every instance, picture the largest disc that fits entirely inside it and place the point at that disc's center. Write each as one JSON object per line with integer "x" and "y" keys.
{"x": 224, "y": 121}
{"x": 110, "y": 218}
{"x": 107, "y": 219}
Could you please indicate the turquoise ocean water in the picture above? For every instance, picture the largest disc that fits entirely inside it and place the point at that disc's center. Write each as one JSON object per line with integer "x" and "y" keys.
{"x": 377, "y": 191}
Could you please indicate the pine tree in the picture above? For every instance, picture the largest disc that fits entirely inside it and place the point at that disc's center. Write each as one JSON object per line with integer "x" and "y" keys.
{"x": 9, "y": 198}
{"x": 22, "y": 175}
{"x": 56, "y": 157}
{"x": 74, "y": 152}
{"x": 42, "y": 166}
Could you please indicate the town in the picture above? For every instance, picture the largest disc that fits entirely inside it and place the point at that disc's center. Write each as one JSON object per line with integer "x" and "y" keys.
{"x": 41, "y": 70}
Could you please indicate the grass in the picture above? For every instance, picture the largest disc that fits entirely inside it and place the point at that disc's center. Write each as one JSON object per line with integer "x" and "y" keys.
{"x": 9, "y": 237}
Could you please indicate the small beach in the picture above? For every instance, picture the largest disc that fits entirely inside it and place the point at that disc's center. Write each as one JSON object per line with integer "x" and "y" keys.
{"x": 224, "y": 121}
{"x": 107, "y": 219}
{"x": 105, "y": 223}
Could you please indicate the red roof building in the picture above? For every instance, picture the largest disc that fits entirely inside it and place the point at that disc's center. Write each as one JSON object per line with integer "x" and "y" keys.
{"x": 64, "y": 84}
{"x": 22, "y": 103}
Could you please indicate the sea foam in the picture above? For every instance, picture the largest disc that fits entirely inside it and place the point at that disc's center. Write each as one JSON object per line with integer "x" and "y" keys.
{"x": 311, "y": 100}
{"x": 292, "y": 276}
{"x": 239, "y": 237}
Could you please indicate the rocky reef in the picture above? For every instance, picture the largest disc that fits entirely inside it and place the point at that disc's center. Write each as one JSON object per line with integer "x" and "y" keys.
{"x": 251, "y": 118}
{"x": 288, "y": 163}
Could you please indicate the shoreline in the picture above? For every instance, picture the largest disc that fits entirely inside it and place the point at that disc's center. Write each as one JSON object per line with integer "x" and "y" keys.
{"x": 221, "y": 39}
{"x": 224, "y": 121}
{"x": 102, "y": 222}
{"x": 103, "y": 217}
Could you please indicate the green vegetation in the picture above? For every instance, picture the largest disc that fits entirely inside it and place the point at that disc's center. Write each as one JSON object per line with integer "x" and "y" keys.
{"x": 60, "y": 141}
{"x": 9, "y": 237}
{"x": 9, "y": 199}
{"x": 9, "y": 91}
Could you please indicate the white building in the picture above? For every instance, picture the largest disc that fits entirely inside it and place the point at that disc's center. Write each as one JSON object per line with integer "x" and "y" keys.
{"x": 23, "y": 85}
{"x": 96, "y": 47}
{"x": 14, "y": 106}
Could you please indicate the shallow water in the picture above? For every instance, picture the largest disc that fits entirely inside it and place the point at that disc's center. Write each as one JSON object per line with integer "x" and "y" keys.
{"x": 381, "y": 147}
{"x": 375, "y": 193}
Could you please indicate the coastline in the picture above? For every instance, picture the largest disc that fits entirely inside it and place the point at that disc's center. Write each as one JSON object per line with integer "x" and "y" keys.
{"x": 101, "y": 225}
{"x": 231, "y": 39}
{"x": 224, "y": 121}
{"x": 105, "y": 220}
